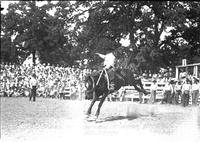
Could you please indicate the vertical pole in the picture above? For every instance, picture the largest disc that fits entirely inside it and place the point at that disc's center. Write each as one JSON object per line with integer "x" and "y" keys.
{"x": 176, "y": 72}
{"x": 33, "y": 54}
{"x": 195, "y": 71}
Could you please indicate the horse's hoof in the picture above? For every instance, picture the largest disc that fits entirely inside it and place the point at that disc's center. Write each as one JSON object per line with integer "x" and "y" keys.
{"x": 98, "y": 120}
{"x": 87, "y": 116}
{"x": 92, "y": 118}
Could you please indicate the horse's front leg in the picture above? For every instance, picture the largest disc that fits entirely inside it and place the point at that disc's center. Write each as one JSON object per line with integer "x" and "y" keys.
{"x": 91, "y": 105}
{"x": 100, "y": 104}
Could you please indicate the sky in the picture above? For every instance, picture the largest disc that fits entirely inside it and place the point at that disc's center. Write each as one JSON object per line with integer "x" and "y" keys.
{"x": 125, "y": 42}
{"x": 5, "y": 4}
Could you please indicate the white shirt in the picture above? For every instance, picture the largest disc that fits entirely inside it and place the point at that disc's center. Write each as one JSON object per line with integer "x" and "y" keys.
{"x": 195, "y": 87}
{"x": 168, "y": 87}
{"x": 109, "y": 60}
{"x": 33, "y": 82}
{"x": 186, "y": 87}
{"x": 154, "y": 87}
{"x": 178, "y": 87}
{"x": 183, "y": 74}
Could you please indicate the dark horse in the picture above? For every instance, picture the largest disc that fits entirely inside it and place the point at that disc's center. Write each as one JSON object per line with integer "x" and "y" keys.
{"x": 121, "y": 77}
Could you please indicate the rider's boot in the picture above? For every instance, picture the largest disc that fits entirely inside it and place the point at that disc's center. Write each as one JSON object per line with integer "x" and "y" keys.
{"x": 111, "y": 86}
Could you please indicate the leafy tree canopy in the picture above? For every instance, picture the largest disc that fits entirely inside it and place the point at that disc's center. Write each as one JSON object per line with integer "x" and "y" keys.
{"x": 78, "y": 29}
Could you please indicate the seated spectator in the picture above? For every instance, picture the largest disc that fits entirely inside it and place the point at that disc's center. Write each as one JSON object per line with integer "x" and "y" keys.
{"x": 16, "y": 77}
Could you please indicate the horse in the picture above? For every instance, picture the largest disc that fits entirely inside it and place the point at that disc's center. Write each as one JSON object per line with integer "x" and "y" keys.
{"x": 120, "y": 77}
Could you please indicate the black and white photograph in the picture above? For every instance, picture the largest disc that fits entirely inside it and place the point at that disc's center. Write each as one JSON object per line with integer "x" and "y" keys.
{"x": 99, "y": 71}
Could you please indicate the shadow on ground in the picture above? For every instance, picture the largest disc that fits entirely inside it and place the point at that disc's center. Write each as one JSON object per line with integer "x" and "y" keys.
{"x": 117, "y": 118}
{"x": 114, "y": 118}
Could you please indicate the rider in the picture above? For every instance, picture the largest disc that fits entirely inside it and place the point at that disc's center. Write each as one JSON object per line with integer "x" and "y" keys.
{"x": 109, "y": 64}
{"x": 109, "y": 60}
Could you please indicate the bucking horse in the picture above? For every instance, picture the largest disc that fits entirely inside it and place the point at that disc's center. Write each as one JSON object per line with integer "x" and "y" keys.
{"x": 98, "y": 85}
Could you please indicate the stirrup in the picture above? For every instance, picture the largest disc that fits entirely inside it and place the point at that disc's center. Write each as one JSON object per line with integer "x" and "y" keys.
{"x": 111, "y": 87}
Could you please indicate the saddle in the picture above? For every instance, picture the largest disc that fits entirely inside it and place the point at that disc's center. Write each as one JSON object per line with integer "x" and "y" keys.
{"x": 110, "y": 76}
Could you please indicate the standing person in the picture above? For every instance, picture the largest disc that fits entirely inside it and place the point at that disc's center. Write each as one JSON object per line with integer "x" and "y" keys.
{"x": 186, "y": 89}
{"x": 195, "y": 91}
{"x": 140, "y": 97}
{"x": 178, "y": 88}
{"x": 140, "y": 93}
{"x": 168, "y": 90}
{"x": 33, "y": 84}
{"x": 183, "y": 74}
{"x": 172, "y": 99}
{"x": 153, "y": 92}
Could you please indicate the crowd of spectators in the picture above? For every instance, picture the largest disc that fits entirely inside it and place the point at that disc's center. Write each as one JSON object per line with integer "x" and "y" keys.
{"x": 52, "y": 80}
{"x": 174, "y": 90}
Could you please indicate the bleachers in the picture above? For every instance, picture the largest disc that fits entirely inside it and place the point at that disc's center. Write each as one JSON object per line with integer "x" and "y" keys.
{"x": 51, "y": 80}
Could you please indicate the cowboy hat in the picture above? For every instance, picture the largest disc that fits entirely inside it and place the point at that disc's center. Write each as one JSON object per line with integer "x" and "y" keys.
{"x": 154, "y": 80}
{"x": 172, "y": 82}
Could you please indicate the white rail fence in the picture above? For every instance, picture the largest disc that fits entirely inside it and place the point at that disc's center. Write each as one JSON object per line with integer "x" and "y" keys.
{"x": 129, "y": 93}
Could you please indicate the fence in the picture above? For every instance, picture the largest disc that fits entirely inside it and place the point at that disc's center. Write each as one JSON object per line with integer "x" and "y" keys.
{"x": 129, "y": 93}
{"x": 66, "y": 93}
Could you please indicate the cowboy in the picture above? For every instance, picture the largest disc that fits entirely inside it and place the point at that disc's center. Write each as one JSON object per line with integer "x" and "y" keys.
{"x": 141, "y": 93}
{"x": 195, "y": 91}
{"x": 183, "y": 74}
{"x": 178, "y": 88}
{"x": 186, "y": 90}
{"x": 168, "y": 90}
{"x": 109, "y": 63}
{"x": 109, "y": 60}
{"x": 33, "y": 83}
{"x": 153, "y": 90}
{"x": 173, "y": 97}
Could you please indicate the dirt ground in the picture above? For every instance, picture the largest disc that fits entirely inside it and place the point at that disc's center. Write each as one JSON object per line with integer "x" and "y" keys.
{"x": 64, "y": 120}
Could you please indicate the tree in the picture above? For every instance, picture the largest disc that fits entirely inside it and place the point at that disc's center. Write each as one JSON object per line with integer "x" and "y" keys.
{"x": 145, "y": 23}
{"x": 105, "y": 26}
{"x": 79, "y": 29}
{"x": 37, "y": 30}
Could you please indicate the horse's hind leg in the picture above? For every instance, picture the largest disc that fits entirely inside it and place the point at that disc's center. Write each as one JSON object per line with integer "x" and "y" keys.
{"x": 100, "y": 104}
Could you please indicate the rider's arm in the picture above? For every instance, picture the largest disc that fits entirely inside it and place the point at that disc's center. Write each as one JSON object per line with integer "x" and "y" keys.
{"x": 101, "y": 55}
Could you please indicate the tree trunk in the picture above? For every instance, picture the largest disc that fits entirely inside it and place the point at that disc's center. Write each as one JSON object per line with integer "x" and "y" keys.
{"x": 33, "y": 54}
